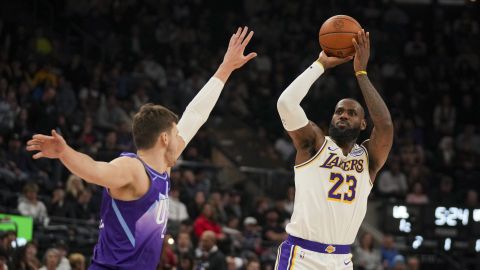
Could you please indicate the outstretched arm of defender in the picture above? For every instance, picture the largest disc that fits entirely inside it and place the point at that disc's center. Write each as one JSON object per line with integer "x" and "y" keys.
{"x": 111, "y": 175}
{"x": 381, "y": 138}
{"x": 306, "y": 136}
{"x": 198, "y": 110}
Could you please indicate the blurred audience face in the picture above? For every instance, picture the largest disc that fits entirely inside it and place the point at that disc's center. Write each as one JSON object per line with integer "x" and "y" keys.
{"x": 84, "y": 197}
{"x": 272, "y": 217}
{"x": 207, "y": 211}
{"x": 472, "y": 198}
{"x": 207, "y": 241}
{"x": 413, "y": 263}
{"x": 367, "y": 241}
{"x": 52, "y": 258}
{"x": 199, "y": 198}
{"x": 77, "y": 261}
{"x": 58, "y": 195}
{"x": 189, "y": 177}
{"x": 417, "y": 189}
{"x": 183, "y": 241}
{"x": 253, "y": 265}
{"x": 30, "y": 251}
{"x": 388, "y": 242}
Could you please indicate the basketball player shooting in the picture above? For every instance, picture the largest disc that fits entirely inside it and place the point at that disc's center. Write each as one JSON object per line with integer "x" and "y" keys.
{"x": 333, "y": 174}
{"x": 135, "y": 199}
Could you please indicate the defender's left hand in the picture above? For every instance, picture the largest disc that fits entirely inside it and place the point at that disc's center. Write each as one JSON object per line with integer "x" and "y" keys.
{"x": 362, "y": 51}
{"x": 234, "y": 57}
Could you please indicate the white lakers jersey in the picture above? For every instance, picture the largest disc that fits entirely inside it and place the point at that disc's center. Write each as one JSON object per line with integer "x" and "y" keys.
{"x": 331, "y": 193}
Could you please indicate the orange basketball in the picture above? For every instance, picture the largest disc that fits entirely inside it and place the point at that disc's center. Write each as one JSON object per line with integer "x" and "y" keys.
{"x": 336, "y": 35}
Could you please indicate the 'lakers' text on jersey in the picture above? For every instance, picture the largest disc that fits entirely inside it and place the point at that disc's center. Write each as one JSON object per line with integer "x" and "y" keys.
{"x": 331, "y": 195}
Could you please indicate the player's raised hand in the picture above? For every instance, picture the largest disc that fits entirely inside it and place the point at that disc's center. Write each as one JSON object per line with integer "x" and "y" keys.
{"x": 331, "y": 61}
{"x": 362, "y": 50}
{"x": 234, "y": 57}
{"x": 48, "y": 146}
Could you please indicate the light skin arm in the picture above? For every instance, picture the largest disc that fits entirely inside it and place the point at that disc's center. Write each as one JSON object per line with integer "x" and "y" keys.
{"x": 115, "y": 174}
{"x": 308, "y": 139}
{"x": 234, "y": 59}
{"x": 381, "y": 139}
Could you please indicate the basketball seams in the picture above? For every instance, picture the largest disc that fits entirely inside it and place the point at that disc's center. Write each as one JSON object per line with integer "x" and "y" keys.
{"x": 344, "y": 17}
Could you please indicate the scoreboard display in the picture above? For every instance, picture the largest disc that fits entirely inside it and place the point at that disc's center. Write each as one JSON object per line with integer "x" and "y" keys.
{"x": 449, "y": 228}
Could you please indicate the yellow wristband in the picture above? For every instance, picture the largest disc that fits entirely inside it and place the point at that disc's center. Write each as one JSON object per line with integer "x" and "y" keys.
{"x": 360, "y": 72}
{"x": 318, "y": 61}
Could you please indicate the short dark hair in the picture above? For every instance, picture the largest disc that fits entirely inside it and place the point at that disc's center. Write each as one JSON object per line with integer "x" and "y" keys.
{"x": 149, "y": 122}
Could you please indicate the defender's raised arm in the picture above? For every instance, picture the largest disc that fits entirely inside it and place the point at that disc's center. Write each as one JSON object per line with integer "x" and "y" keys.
{"x": 198, "y": 110}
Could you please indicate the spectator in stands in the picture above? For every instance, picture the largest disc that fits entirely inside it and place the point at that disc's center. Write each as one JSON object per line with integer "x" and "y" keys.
{"x": 417, "y": 195}
{"x": 77, "y": 261}
{"x": 447, "y": 153}
{"x": 253, "y": 264}
{"x": 444, "y": 116}
{"x": 89, "y": 137}
{"x": 413, "y": 263}
{"x": 273, "y": 232}
{"x": 206, "y": 222}
{"x": 26, "y": 257}
{"x": 389, "y": 251}
{"x": 283, "y": 215}
{"x": 63, "y": 251}
{"x": 399, "y": 263}
{"x": 184, "y": 246}
{"x": 196, "y": 206}
{"x": 233, "y": 234}
{"x": 6, "y": 248}
{"x": 468, "y": 140}
{"x": 392, "y": 182}
{"x": 75, "y": 185}
{"x": 3, "y": 261}
{"x": 208, "y": 254}
{"x": 471, "y": 198}
{"x": 30, "y": 205}
{"x": 252, "y": 239}
{"x": 177, "y": 210}
{"x": 168, "y": 258}
{"x": 59, "y": 206}
{"x": 366, "y": 256}
{"x": 444, "y": 194}
{"x": 84, "y": 208}
{"x": 185, "y": 263}
{"x": 51, "y": 259}
{"x": 233, "y": 207}
{"x": 216, "y": 201}
{"x": 20, "y": 161}
{"x": 109, "y": 149}
{"x": 188, "y": 182}
{"x": 262, "y": 205}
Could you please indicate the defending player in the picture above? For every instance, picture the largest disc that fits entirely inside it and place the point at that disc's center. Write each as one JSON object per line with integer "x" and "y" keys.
{"x": 135, "y": 199}
{"x": 333, "y": 175}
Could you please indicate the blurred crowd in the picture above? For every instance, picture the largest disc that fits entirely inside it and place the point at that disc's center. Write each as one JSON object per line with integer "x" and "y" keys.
{"x": 426, "y": 68}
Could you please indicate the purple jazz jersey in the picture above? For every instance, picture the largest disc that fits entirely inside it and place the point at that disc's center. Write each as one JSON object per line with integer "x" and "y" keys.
{"x": 132, "y": 232}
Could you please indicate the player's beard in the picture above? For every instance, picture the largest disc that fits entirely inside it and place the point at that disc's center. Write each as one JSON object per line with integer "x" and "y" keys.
{"x": 343, "y": 136}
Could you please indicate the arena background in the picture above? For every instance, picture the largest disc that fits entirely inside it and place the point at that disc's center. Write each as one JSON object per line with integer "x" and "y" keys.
{"x": 84, "y": 67}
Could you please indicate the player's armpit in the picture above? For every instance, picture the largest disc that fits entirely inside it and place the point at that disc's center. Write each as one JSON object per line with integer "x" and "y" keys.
{"x": 307, "y": 141}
